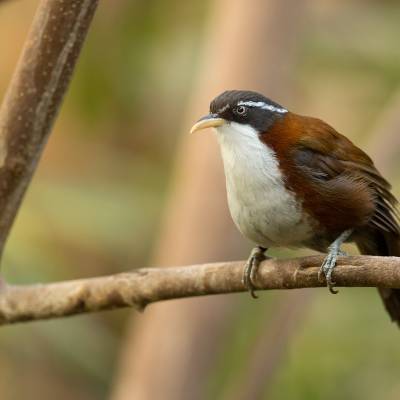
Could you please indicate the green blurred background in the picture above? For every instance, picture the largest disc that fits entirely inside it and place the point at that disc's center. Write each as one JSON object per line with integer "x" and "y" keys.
{"x": 95, "y": 202}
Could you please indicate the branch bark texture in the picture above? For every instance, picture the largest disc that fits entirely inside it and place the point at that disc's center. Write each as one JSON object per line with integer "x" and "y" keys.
{"x": 35, "y": 94}
{"x": 148, "y": 285}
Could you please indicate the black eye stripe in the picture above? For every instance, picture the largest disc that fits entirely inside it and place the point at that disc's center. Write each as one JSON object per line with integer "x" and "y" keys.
{"x": 260, "y": 111}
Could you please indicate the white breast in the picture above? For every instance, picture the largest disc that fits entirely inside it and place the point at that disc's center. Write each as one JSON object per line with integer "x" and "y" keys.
{"x": 261, "y": 207}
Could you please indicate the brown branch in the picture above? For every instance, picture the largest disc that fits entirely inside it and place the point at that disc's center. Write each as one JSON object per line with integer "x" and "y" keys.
{"x": 35, "y": 94}
{"x": 384, "y": 144}
{"x": 144, "y": 286}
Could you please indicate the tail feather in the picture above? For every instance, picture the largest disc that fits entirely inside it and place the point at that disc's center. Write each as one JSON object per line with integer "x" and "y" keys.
{"x": 391, "y": 301}
{"x": 380, "y": 243}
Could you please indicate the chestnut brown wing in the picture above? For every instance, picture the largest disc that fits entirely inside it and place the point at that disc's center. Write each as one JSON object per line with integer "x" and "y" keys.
{"x": 322, "y": 155}
{"x": 329, "y": 158}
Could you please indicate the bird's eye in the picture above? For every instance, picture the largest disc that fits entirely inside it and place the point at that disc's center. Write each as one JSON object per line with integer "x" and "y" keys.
{"x": 241, "y": 110}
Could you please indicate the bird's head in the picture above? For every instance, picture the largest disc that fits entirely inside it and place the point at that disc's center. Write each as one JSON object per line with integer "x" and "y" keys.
{"x": 240, "y": 112}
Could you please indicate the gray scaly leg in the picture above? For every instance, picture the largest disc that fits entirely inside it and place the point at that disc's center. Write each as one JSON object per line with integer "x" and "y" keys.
{"x": 250, "y": 270}
{"x": 330, "y": 261}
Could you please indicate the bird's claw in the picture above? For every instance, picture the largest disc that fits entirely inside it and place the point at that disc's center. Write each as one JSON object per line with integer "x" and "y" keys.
{"x": 329, "y": 263}
{"x": 250, "y": 270}
{"x": 328, "y": 266}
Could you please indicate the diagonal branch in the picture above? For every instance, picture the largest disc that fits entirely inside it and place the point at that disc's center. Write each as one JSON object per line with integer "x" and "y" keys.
{"x": 35, "y": 94}
{"x": 148, "y": 285}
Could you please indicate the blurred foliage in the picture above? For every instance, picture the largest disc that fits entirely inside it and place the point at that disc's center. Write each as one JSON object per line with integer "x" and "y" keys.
{"x": 97, "y": 197}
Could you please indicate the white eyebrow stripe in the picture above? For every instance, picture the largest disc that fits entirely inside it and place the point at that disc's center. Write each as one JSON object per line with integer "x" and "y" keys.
{"x": 262, "y": 105}
{"x": 224, "y": 108}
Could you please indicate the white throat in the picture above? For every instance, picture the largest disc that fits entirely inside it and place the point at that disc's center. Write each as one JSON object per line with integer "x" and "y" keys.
{"x": 261, "y": 206}
{"x": 243, "y": 153}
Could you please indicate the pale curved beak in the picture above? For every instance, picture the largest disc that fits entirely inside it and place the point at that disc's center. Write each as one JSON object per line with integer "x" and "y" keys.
{"x": 209, "y": 121}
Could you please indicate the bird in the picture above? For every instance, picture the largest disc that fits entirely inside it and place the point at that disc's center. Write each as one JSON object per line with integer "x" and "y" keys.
{"x": 294, "y": 181}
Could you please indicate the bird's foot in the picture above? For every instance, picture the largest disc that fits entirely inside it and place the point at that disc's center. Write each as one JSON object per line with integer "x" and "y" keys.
{"x": 329, "y": 263}
{"x": 327, "y": 268}
{"x": 250, "y": 270}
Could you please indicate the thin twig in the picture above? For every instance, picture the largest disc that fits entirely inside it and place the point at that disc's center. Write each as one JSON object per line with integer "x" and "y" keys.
{"x": 144, "y": 286}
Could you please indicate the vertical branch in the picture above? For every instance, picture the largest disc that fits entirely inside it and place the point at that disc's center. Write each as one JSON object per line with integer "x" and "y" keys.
{"x": 171, "y": 350}
{"x": 271, "y": 346}
{"x": 35, "y": 94}
{"x": 384, "y": 143}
